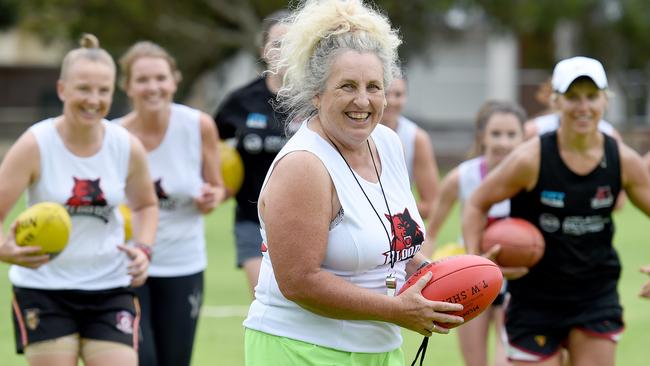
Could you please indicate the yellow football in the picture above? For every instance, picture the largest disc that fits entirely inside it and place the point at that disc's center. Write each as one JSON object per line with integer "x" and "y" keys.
{"x": 126, "y": 216}
{"x": 448, "y": 250}
{"x": 232, "y": 167}
{"x": 46, "y": 225}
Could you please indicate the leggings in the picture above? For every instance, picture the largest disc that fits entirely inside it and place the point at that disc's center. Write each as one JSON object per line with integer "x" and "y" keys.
{"x": 170, "y": 312}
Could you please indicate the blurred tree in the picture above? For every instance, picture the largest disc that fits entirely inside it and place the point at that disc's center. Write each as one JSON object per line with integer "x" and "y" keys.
{"x": 8, "y": 13}
{"x": 201, "y": 33}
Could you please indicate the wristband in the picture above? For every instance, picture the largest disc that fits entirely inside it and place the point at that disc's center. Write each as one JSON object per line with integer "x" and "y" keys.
{"x": 146, "y": 249}
{"x": 423, "y": 264}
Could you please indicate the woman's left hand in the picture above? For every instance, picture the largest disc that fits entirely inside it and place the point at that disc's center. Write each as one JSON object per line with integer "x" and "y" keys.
{"x": 138, "y": 268}
{"x": 645, "y": 290}
{"x": 211, "y": 196}
{"x": 510, "y": 273}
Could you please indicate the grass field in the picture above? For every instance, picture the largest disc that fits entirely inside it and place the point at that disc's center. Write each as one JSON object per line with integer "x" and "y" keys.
{"x": 220, "y": 334}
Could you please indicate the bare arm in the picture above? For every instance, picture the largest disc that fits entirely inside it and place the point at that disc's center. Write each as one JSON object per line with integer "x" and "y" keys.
{"x": 425, "y": 172}
{"x": 442, "y": 206}
{"x": 20, "y": 168}
{"x": 212, "y": 191}
{"x": 519, "y": 171}
{"x": 530, "y": 129}
{"x": 635, "y": 178}
{"x": 645, "y": 290}
{"x": 144, "y": 204}
{"x": 297, "y": 206}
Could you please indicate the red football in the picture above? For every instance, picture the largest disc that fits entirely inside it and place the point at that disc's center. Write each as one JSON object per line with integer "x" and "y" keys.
{"x": 522, "y": 245}
{"x": 466, "y": 279}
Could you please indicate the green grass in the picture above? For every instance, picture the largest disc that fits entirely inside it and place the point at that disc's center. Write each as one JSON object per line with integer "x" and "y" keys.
{"x": 220, "y": 339}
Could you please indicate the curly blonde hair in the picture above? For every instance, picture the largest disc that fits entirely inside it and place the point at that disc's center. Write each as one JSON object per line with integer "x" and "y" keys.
{"x": 319, "y": 30}
{"x": 89, "y": 49}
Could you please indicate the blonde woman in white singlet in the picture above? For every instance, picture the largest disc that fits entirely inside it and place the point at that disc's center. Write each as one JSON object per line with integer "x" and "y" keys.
{"x": 80, "y": 304}
{"x": 338, "y": 219}
{"x": 181, "y": 144}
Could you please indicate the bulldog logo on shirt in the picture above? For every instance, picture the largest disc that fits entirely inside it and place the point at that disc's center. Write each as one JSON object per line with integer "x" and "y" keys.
{"x": 88, "y": 199}
{"x": 407, "y": 236}
{"x": 164, "y": 201}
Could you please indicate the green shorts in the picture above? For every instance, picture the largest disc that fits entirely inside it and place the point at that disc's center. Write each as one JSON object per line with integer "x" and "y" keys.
{"x": 263, "y": 349}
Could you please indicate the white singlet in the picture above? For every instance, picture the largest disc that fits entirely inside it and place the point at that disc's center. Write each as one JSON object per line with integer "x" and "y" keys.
{"x": 90, "y": 188}
{"x": 358, "y": 249}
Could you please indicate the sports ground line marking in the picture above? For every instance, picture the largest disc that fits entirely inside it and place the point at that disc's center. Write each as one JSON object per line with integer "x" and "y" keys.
{"x": 227, "y": 311}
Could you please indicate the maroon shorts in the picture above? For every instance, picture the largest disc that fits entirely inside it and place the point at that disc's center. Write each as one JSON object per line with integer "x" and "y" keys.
{"x": 536, "y": 346}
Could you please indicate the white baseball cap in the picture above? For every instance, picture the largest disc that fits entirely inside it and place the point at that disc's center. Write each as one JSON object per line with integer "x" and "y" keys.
{"x": 567, "y": 70}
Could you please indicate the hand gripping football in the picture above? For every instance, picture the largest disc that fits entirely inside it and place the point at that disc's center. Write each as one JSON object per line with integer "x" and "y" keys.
{"x": 470, "y": 280}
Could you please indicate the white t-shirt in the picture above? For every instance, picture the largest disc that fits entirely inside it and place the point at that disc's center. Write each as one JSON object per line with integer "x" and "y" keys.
{"x": 358, "y": 249}
{"x": 90, "y": 188}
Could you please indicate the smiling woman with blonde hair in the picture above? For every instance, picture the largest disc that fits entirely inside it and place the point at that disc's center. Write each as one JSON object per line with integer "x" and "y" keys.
{"x": 181, "y": 144}
{"x": 80, "y": 304}
{"x": 336, "y": 206}
{"x": 566, "y": 183}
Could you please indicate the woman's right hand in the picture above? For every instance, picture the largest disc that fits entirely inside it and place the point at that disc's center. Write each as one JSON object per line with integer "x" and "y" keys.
{"x": 645, "y": 290}
{"x": 27, "y": 256}
{"x": 422, "y": 315}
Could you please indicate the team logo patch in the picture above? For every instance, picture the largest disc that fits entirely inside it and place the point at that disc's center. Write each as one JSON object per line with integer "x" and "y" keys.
{"x": 256, "y": 120}
{"x": 602, "y": 198}
{"x": 88, "y": 199}
{"x": 124, "y": 322}
{"x": 32, "y": 318}
{"x": 407, "y": 237}
{"x": 549, "y": 222}
{"x": 164, "y": 201}
{"x": 540, "y": 340}
{"x": 552, "y": 198}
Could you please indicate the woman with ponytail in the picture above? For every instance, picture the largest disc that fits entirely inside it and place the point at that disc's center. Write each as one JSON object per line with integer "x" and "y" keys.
{"x": 80, "y": 304}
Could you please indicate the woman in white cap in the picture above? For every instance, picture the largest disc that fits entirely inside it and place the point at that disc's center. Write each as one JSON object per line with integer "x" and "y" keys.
{"x": 565, "y": 183}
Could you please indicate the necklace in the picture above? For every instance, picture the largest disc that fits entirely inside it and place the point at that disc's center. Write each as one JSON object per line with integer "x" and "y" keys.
{"x": 391, "y": 281}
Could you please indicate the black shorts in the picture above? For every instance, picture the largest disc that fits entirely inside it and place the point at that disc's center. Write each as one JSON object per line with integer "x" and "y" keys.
{"x": 501, "y": 297}
{"x": 107, "y": 315}
{"x": 537, "y": 332}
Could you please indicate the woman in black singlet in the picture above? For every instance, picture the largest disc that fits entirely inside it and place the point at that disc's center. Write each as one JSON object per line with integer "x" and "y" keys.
{"x": 565, "y": 182}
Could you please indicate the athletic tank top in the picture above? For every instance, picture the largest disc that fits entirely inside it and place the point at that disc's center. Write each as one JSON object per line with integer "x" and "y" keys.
{"x": 573, "y": 212}
{"x": 175, "y": 167}
{"x": 357, "y": 249}
{"x": 471, "y": 173}
{"x": 551, "y": 122}
{"x": 406, "y": 130}
{"x": 90, "y": 188}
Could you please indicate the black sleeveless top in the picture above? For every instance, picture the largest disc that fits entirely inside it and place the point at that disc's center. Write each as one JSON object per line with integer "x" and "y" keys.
{"x": 573, "y": 212}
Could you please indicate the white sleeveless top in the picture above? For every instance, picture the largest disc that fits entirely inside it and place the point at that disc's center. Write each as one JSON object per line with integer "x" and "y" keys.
{"x": 551, "y": 122}
{"x": 357, "y": 250}
{"x": 90, "y": 188}
{"x": 406, "y": 130}
{"x": 471, "y": 173}
{"x": 175, "y": 167}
